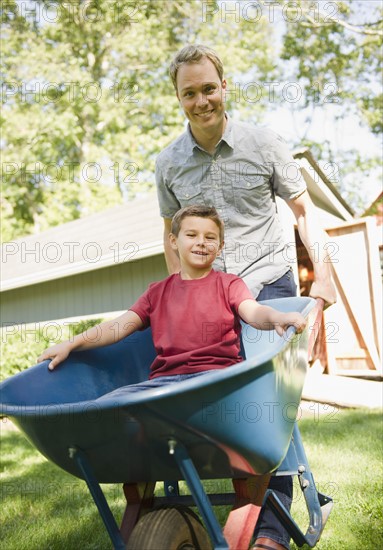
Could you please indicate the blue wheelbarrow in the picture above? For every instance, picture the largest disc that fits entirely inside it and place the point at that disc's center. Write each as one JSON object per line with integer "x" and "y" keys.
{"x": 236, "y": 423}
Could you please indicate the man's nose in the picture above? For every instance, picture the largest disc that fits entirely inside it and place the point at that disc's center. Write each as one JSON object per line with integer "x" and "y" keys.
{"x": 201, "y": 99}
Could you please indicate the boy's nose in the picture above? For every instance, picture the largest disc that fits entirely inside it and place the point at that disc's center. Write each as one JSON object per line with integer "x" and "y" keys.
{"x": 200, "y": 240}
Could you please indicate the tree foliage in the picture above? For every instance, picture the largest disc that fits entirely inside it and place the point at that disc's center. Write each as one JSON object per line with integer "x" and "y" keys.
{"x": 87, "y": 102}
{"x": 335, "y": 53}
{"x": 332, "y": 51}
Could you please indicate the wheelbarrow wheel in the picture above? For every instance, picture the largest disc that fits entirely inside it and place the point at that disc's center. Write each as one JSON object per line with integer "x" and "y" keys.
{"x": 175, "y": 528}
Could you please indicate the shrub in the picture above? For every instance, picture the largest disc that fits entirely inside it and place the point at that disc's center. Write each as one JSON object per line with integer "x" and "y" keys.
{"x": 21, "y": 345}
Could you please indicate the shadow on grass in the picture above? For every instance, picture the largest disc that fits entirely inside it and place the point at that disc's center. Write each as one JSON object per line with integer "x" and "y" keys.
{"x": 44, "y": 507}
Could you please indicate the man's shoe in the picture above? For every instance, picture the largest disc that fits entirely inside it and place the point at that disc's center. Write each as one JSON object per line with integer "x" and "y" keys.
{"x": 264, "y": 543}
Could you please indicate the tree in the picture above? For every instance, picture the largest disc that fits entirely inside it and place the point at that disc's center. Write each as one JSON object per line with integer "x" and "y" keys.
{"x": 87, "y": 103}
{"x": 338, "y": 60}
{"x": 334, "y": 51}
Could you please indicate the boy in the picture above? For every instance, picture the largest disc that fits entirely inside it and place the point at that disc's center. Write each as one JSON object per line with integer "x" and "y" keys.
{"x": 194, "y": 314}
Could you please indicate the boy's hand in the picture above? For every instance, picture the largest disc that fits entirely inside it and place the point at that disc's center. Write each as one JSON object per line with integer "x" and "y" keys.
{"x": 58, "y": 353}
{"x": 290, "y": 319}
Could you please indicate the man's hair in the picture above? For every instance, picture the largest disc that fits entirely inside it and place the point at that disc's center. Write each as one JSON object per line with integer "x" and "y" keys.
{"x": 193, "y": 53}
{"x": 198, "y": 211}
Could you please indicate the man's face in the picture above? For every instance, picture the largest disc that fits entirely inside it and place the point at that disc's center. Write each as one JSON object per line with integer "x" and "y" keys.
{"x": 201, "y": 94}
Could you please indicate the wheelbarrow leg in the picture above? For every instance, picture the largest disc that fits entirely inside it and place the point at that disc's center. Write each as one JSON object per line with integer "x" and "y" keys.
{"x": 98, "y": 496}
{"x": 201, "y": 499}
{"x": 318, "y": 505}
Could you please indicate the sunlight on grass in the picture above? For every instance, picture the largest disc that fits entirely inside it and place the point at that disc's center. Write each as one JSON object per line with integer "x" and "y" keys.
{"x": 345, "y": 455}
{"x": 43, "y": 507}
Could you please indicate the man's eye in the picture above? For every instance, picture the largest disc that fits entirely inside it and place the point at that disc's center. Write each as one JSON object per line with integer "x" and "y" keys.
{"x": 210, "y": 89}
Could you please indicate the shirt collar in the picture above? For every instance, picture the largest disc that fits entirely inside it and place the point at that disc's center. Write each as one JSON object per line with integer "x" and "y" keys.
{"x": 227, "y": 136}
{"x": 228, "y": 132}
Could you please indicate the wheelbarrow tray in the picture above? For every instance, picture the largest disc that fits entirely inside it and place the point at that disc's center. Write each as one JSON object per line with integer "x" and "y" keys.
{"x": 234, "y": 422}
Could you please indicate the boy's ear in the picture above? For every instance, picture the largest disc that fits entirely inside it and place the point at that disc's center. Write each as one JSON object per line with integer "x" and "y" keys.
{"x": 173, "y": 241}
{"x": 220, "y": 247}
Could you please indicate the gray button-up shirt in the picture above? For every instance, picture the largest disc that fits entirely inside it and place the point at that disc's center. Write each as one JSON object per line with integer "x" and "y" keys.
{"x": 249, "y": 167}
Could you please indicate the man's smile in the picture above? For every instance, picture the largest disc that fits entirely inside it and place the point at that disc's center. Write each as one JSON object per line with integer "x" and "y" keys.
{"x": 205, "y": 113}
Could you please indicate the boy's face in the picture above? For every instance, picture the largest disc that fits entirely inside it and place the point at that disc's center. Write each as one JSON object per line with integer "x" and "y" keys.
{"x": 201, "y": 94}
{"x": 198, "y": 243}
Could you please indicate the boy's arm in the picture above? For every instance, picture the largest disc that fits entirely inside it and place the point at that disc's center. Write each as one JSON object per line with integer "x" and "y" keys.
{"x": 103, "y": 334}
{"x": 267, "y": 318}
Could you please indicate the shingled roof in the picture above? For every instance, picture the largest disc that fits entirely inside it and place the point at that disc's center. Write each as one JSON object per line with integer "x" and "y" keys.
{"x": 124, "y": 233}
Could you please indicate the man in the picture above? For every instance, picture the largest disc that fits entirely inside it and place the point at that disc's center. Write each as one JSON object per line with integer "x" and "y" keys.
{"x": 239, "y": 169}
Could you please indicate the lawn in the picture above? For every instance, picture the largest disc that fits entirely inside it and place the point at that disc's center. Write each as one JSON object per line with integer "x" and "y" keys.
{"x": 44, "y": 508}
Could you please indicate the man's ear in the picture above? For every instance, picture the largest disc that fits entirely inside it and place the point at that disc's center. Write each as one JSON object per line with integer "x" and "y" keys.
{"x": 224, "y": 86}
{"x": 173, "y": 241}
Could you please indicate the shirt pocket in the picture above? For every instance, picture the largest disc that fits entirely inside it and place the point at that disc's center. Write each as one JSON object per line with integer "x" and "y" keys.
{"x": 188, "y": 194}
{"x": 252, "y": 193}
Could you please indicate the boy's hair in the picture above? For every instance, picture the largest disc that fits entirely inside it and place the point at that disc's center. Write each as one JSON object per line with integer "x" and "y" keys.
{"x": 198, "y": 211}
{"x": 193, "y": 53}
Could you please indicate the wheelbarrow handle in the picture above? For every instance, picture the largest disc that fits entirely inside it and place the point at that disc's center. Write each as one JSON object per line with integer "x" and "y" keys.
{"x": 314, "y": 328}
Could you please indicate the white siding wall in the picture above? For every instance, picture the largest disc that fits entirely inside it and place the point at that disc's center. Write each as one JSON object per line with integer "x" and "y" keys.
{"x": 96, "y": 292}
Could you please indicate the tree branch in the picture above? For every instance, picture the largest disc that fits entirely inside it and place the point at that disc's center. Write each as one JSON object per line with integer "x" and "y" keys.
{"x": 352, "y": 28}
{"x": 325, "y": 19}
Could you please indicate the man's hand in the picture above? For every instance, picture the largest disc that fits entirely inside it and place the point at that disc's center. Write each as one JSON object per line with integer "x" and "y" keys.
{"x": 58, "y": 353}
{"x": 326, "y": 291}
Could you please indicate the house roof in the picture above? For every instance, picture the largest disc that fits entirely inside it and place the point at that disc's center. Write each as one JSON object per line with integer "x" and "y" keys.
{"x": 321, "y": 189}
{"x": 124, "y": 233}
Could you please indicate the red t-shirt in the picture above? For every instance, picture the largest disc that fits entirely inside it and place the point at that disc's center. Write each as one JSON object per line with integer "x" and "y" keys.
{"x": 195, "y": 323}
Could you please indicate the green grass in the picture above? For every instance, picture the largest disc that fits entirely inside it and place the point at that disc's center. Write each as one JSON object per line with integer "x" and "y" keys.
{"x": 44, "y": 508}
{"x": 345, "y": 452}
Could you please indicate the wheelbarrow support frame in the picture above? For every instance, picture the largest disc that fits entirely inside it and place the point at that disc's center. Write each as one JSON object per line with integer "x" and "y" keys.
{"x": 318, "y": 505}
{"x": 246, "y": 500}
{"x": 98, "y": 496}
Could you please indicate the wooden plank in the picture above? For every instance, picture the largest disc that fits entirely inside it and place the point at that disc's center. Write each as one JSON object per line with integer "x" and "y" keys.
{"x": 342, "y": 391}
{"x": 373, "y": 358}
{"x": 357, "y": 276}
{"x": 375, "y": 275}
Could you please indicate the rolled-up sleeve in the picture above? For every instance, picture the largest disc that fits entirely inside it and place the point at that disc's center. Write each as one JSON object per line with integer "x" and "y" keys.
{"x": 167, "y": 201}
{"x": 287, "y": 179}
